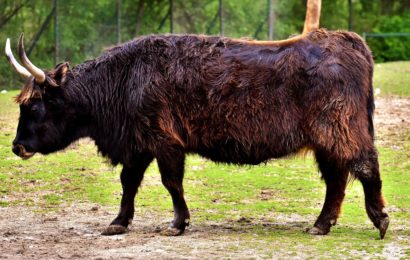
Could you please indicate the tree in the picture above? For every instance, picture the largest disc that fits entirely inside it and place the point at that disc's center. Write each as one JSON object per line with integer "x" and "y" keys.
{"x": 87, "y": 27}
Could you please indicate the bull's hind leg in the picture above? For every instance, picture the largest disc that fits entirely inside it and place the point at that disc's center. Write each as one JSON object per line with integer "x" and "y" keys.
{"x": 171, "y": 167}
{"x": 131, "y": 178}
{"x": 366, "y": 170}
{"x": 335, "y": 177}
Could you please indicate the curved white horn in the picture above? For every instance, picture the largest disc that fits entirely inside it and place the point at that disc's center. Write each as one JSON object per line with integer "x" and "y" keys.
{"x": 13, "y": 62}
{"x": 38, "y": 74}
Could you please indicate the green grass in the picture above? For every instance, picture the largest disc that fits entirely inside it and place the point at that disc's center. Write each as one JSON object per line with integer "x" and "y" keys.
{"x": 280, "y": 199}
{"x": 393, "y": 78}
{"x": 77, "y": 174}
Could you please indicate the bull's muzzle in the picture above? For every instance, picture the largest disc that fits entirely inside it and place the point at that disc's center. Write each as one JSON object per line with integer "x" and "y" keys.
{"x": 21, "y": 151}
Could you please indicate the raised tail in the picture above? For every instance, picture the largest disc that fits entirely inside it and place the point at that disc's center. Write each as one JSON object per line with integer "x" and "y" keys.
{"x": 312, "y": 16}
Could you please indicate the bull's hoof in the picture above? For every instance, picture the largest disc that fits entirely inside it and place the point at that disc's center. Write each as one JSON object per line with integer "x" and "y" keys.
{"x": 317, "y": 231}
{"x": 114, "y": 230}
{"x": 171, "y": 231}
{"x": 384, "y": 224}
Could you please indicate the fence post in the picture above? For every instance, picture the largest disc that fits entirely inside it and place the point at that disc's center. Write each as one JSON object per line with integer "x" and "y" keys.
{"x": 271, "y": 19}
{"x": 56, "y": 34}
{"x": 118, "y": 21}
{"x": 221, "y": 22}
{"x": 171, "y": 16}
{"x": 350, "y": 15}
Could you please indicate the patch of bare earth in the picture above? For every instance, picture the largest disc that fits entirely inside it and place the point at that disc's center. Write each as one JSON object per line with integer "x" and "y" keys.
{"x": 74, "y": 231}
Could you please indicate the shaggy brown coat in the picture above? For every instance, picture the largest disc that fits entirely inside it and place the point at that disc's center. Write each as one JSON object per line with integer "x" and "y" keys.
{"x": 229, "y": 100}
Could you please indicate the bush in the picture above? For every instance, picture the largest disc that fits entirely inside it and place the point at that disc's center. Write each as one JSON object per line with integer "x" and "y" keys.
{"x": 391, "y": 48}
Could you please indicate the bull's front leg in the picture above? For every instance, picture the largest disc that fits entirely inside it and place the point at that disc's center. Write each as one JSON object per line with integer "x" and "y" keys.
{"x": 171, "y": 166}
{"x": 131, "y": 178}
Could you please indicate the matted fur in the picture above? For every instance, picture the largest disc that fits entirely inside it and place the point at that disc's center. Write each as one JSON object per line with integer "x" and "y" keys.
{"x": 225, "y": 99}
{"x": 28, "y": 92}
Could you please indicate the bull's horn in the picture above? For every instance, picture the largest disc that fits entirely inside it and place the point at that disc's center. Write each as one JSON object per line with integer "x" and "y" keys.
{"x": 38, "y": 74}
{"x": 10, "y": 57}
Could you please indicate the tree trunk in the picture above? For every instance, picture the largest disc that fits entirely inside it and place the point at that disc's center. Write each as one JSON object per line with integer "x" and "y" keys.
{"x": 140, "y": 14}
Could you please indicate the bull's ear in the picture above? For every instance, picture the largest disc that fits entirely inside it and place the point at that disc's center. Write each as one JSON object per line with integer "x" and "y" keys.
{"x": 60, "y": 73}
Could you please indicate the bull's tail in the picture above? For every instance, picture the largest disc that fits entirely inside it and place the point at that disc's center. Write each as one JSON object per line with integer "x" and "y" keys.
{"x": 360, "y": 45}
{"x": 370, "y": 111}
{"x": 312, "y": 16}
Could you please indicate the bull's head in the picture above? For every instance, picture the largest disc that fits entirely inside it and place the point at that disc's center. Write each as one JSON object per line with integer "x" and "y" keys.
{"x": 42, "y": 107}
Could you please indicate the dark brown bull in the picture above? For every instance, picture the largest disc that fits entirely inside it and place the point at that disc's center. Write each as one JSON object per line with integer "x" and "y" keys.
{"x": 232, "y": 101}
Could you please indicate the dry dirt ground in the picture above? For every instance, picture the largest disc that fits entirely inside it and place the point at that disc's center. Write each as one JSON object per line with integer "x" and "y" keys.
{"x": 74, "y": 231}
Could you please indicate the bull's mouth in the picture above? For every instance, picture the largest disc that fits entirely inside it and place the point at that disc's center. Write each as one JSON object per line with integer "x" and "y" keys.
{"x": 23, "y": 153}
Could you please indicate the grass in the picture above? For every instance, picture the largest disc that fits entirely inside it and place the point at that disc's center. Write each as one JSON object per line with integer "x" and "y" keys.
{"x": 77, "y": 174}
{"x": 279, "y": 199}
{"x": 393, "y": 78}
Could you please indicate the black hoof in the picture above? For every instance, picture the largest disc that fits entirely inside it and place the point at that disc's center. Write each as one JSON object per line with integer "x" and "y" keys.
{"x": 317, "y": 231}
{"x": 114, "y": 230}
{"x": 171, "y": 231}
{"x": 384, "y": 224}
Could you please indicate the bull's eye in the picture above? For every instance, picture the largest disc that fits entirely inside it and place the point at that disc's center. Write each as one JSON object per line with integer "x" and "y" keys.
{"x": 34, "y": 109}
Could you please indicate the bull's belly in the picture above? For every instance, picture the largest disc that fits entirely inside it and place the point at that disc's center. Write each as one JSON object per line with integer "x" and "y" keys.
{"x": 237, "y": 153}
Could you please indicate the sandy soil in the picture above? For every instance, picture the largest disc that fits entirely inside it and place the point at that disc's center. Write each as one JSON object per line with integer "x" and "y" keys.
{"x": 74, "y": 231}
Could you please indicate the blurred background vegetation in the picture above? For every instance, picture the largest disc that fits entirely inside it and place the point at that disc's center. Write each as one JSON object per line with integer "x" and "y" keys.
{"x": 75, "y": 30}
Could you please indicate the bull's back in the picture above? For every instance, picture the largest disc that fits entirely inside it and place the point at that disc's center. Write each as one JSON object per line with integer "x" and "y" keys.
{"x": 255, "y": 103}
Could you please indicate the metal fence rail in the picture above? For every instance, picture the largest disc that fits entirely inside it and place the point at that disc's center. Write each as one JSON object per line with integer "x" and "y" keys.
{"x": 383, "y": 35}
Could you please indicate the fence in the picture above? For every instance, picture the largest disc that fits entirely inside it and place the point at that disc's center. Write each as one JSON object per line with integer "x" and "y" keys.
{"x": 366, "y": 35}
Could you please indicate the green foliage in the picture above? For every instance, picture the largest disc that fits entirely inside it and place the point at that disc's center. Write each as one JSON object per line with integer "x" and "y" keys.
{"x": 87, "y": 27}
{"x": 393, "y": 78}
{"x": 392, "y": 48}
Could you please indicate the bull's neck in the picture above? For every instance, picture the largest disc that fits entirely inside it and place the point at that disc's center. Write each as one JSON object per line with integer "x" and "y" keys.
{"x": 99, "y": 101}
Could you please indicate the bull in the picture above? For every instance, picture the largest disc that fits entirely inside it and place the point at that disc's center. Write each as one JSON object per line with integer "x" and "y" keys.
{"x": 229, "y": 100}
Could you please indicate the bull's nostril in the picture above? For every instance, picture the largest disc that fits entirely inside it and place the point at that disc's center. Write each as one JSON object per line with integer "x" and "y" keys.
{"x": 21, "y": 151}
{"x": 16, "y": 149}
